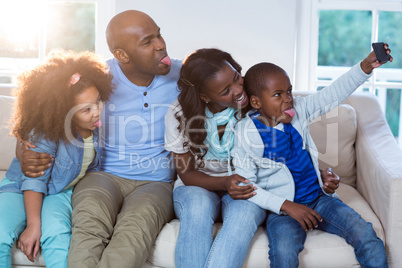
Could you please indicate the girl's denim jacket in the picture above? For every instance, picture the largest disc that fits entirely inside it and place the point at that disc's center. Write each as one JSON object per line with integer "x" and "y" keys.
{"x": 65, "y": 167}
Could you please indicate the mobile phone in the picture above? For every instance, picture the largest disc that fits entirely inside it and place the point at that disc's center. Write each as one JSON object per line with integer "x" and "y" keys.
{"x": 380, "y": 52}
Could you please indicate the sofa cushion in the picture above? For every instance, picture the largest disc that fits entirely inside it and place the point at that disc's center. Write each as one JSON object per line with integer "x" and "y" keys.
{"x": 321, "y": 249}
{"x": 20, "y": 260}
{"x": 334, "y": 135}
{"x": 7, "y": 148}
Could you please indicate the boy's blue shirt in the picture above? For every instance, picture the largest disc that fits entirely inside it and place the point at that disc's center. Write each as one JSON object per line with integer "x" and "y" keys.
{"x": 286, "y": 147}
{"x": 273, "y": 180}
{"x": 65, "y": 167}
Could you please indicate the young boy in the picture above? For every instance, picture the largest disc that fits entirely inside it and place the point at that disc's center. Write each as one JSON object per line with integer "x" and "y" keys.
{"x": 274, "y": 150}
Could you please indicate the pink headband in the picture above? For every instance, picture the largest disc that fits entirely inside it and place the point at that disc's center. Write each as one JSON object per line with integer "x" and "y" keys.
{"x": 74, "y": 79}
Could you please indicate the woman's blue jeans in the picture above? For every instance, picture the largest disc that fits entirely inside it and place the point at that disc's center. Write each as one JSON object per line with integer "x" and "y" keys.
{"x": 286, "y": 236}
{"x": 197, "y": 210}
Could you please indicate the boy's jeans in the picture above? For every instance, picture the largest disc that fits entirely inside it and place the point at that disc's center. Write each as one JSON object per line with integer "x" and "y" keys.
{"x": 286, "y": 236}
{"x": 197, "y": 210}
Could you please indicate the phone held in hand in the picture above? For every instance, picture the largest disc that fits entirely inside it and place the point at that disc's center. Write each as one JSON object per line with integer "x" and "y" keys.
{"x": 380, "y": 52}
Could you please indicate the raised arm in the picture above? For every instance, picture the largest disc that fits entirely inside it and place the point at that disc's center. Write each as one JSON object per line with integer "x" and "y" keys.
{"x": 190, "y": 175}
{"x": 331, "y": 96}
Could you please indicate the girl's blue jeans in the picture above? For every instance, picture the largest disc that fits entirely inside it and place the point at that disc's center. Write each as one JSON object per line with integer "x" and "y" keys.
{"x": 286, "y": 236}
{"x": 56, "y": 226}
{"x": 197, "y": 210}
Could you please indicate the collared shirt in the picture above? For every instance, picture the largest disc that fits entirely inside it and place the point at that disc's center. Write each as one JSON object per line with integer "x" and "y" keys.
{"x": 68, "y": 156}
{"x": 134, "y": 126}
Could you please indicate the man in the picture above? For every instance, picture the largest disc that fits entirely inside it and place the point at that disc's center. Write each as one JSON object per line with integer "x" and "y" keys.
{"x": 118, "y": 212}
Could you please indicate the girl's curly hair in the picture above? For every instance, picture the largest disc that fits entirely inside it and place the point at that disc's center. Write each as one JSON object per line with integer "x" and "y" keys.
{"x": 44, "y": 96}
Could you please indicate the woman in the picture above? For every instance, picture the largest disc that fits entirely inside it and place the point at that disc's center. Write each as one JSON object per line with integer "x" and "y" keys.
{"x": 199, "y": 133}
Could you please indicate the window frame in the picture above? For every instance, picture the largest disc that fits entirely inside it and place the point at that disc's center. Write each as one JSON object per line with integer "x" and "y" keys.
{"x": 307, "y": 41}
{"x": 104, "y": 11}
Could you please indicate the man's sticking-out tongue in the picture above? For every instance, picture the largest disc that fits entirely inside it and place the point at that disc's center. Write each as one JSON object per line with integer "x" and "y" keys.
{"x": 290, "y": 112}
{"x": 166, "y": 60}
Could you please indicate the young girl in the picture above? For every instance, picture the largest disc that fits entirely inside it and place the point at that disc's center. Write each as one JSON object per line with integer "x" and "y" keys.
{"x": 58, "y": 109}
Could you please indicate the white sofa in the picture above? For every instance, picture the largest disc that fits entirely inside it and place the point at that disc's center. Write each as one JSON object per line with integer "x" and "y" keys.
{"x": 355, "y": 141}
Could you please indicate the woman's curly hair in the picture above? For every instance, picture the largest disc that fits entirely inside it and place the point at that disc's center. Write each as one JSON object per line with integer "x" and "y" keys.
{"x": 44, "y": 95}
{"x": 198, "y": 69}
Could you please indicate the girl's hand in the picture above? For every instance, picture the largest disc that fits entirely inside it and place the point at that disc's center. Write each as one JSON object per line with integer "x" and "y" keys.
{"x": 307, "y": 217}
{"x": 29, "y": 242}
{"x": 235, "y": 190}
{"x": 371, "y": 62}
{"x": 330, "y": 180}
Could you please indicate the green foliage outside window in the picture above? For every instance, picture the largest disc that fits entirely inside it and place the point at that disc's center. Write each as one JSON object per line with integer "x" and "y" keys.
{"x": 390, "y": 30}
{"x": 345, "y": 39}
{"x": 392, "y": 111}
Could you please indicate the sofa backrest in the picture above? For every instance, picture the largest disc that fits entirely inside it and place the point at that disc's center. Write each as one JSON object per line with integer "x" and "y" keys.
{"x": 334, "y": 135}
{"x": 7, "y": 143}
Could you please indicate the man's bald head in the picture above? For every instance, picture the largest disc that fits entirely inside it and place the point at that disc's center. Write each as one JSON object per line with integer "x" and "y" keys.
{"x": 123, "y": 25}
{"x": 136, "y": 43}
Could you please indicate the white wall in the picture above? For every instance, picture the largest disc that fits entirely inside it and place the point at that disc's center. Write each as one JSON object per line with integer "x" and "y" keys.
{"x": 252, "y": 31}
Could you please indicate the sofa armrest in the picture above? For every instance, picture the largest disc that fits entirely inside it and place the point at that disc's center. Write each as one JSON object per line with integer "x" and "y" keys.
{"x": 379, "y": 170}
{"x": 7, "y": 143}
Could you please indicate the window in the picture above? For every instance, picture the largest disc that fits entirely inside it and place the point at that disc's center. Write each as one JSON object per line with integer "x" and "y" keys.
{"x": 341, "y": 33}
{"x": 30, "y": 29}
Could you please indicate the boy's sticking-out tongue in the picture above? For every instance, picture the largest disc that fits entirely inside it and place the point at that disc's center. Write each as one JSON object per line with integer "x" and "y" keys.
{"x": 166, "y": 60}
{"x": 290, "y": 112}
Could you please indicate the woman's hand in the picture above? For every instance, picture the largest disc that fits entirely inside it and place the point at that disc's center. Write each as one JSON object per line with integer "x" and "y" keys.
{"x": 190, "y": 175}
{"x": 235, "y": 190}
{"x": 330, "y": 181}
{"x": 307, "y": 217}
{"x": 29, "y": 242}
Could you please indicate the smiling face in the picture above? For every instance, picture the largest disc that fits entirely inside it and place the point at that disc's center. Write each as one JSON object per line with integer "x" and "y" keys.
{"x": 225, "y": 90}
{"x": 275, "y": 99}
{"x": 87, "y": 116}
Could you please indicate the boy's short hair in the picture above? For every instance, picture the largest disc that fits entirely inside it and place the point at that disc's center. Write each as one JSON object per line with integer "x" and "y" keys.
{"x": 257, "y": 76}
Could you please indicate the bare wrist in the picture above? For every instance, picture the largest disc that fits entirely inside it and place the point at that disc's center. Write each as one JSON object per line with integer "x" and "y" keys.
{"x": 34, "y": 223}
{"x": 284, "y": 205}
{"x": 366, "y": 66}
